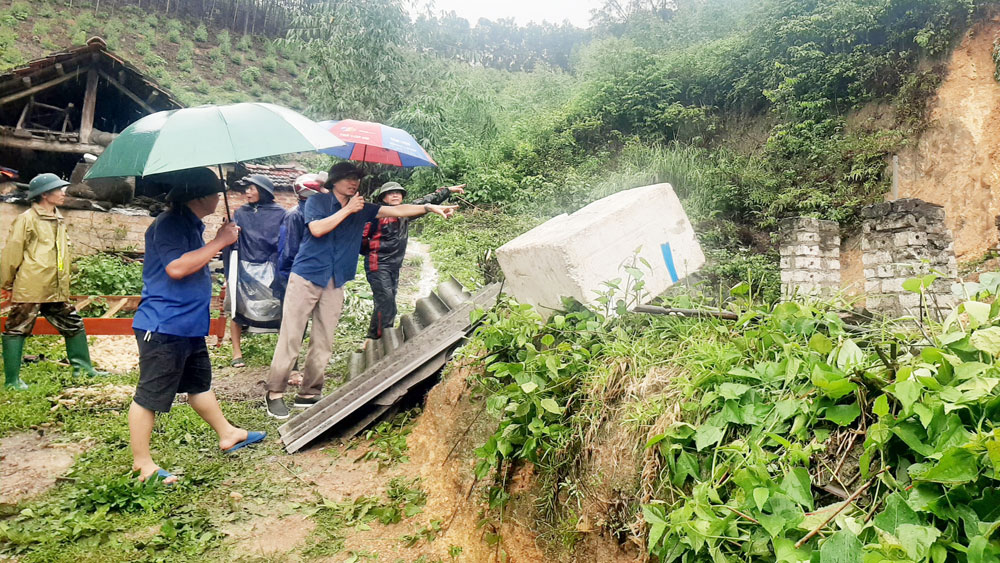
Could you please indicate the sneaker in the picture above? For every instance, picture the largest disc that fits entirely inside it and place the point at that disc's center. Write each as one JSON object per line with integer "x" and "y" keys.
{"x": 276, "y": 407}
{"x": 304, "y": 403}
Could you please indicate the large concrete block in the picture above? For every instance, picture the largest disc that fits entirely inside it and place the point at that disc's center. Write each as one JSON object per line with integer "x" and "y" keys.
{"x": 573, "y": 255}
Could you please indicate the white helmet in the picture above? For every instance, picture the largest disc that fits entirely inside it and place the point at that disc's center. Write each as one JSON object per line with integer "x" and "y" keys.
{"x": 309, "y": 184}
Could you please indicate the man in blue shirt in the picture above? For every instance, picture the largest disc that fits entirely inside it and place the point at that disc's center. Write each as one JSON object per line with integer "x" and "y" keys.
{"x": 173, "y": 318}
{"x": 326, "y": 260}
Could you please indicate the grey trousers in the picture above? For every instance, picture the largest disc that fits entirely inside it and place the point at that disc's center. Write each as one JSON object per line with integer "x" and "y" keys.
{"x": 303, "y": 299}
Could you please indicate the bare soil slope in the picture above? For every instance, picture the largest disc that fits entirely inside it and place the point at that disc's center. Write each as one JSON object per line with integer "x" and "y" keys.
{"x": 955, "y": 163}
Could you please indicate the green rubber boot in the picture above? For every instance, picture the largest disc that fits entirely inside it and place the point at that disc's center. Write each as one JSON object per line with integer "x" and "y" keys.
{"x": 78, "y": 354}
{"x": 13, "y": 348}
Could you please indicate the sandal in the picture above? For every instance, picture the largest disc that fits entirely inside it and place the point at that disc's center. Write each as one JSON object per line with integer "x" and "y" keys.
{"x": 238, "y": 363}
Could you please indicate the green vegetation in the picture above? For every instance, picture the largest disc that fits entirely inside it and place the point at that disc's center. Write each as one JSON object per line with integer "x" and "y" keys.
{"x": 106, "y": 274}
{"x": 786, "y": 435}
{"x": 783, "y": 414}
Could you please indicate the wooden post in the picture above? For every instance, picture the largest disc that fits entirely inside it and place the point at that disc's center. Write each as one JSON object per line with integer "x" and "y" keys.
{"x": 89, "y": 105}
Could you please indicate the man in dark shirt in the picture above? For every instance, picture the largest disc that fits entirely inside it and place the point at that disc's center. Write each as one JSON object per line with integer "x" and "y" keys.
{"x": 173, "y": 318}
{"x": 327, "y": 259}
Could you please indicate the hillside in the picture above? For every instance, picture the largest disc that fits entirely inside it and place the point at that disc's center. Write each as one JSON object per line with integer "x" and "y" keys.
{"x": 783, "y": 431}
{"x": 198, "y": 64}
{"x": 954, "y": 163}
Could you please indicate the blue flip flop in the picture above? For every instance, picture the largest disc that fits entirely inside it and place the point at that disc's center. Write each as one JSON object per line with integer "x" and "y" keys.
{"x": 252, "y": 438}
{"x": 160, "y": 476}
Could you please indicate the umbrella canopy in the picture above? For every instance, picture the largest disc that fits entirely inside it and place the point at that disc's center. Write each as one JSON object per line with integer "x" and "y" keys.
{"x": 209, "y": 135}
{"x": 374, "y": 142}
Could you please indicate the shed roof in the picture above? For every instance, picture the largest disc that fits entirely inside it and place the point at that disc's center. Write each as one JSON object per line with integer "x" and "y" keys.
{"x": 51, "y": 66}
{"x": 281, "y": 175}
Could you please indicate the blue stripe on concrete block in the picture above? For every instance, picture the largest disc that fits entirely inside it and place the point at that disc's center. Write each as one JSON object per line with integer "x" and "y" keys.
{"x": 668, "y": 257}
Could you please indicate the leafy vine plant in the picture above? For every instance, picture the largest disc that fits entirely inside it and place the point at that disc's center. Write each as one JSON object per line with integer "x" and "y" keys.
{"x": 620, "y": 295}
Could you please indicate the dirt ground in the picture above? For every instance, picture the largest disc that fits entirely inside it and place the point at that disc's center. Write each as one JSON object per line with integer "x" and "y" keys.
{"x": 31, "y": 462}
{"x": 954, "y": 162}
{"x": 336, "y": 473}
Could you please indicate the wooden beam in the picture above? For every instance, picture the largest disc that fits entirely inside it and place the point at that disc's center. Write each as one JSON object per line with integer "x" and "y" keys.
{"x": 152, "y": 96}
{"x": 82, "y": 304}
{"x": 89, "y": 105}
{"x": 131, "y": 95}
{"x": 60, "y": 69}
{"x": 115, "y": 308}
{"x": 49, "y": 146}
{"x": 43, "y": 86}
{"x": 24, "y": 114}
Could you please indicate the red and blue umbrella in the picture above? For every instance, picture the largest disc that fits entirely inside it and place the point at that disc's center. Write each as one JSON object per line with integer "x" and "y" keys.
{"x": 373, "y": 142}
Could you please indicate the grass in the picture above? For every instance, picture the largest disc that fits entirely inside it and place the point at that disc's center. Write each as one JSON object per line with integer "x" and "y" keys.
{"x": 101, "y": 504}
{"x": 459, "y": 246}
{"x": 102, "y": 513}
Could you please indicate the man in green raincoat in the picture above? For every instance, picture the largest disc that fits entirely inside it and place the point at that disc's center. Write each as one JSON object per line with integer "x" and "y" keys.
{"x": 34, "y": 266}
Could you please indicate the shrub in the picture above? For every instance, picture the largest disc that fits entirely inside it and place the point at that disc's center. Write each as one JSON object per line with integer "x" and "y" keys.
{"x": 215, "y": 55}
{"x": 230, "y": 84}
{"x": 21, "y": 10}
{"x": 224, "y": 44}
{"x": 202, "y": 86}
{"x": 236, "y": 58}
{"x": 244, "y": 44}
{"x": 164, "y": 78}
{"x": 291, "y": 67}
{"x": 153, "y": 60}
{"x": 185, "y": 66}
{"x": 152, "y": 21}
{"x": 250, "y": 75}
{"x": 174, "y": 36}
{"x": 175, "y": 25}
{"x": 10, "y": 55}
{"x": 79, "y": 37}
{"x": 201, "y": 33}
{"x": 269, "y": 49}
{"x": 106, "y": 274}
{"x": 219, "y": 68}
{"x": 41, "y": 28}
{"x": 142, "y": 47}
{"x": 184, "y": 55}
{"x": 257, "y": 92}
{"x": 46, "y": 11}
{"x": 270, "y": 64}
{"x": 277, "y": 84}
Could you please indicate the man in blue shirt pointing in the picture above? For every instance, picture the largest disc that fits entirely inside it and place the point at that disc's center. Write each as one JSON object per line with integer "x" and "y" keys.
{"x": 327, "y": 259}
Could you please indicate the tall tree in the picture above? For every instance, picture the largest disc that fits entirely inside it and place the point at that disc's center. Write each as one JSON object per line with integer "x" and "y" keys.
{"x": 355, "y": 46}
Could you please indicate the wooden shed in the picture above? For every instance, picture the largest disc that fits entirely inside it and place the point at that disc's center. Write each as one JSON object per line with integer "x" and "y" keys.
{"x": 56, "y": 108}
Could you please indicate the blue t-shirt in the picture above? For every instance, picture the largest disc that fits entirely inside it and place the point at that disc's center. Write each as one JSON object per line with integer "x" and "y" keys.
{"x": 169, "y": 306}
{"x": 335, "y": 254}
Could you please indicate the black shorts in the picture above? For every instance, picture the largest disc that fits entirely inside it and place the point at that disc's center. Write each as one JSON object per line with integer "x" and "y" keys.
{"x": 169, "y": 365}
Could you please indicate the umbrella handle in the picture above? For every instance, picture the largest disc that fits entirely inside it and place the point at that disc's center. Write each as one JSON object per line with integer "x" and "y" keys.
{"x": 225, "y": 197}
{"x": 234, "y": 264}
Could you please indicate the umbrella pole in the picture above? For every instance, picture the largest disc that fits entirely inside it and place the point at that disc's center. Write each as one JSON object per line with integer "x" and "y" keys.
{"x": 225, "y": 197}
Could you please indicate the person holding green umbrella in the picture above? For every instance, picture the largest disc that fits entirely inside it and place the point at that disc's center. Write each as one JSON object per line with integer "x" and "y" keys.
{"x": 173, "y": 319}
{"x": 35, "y": 268}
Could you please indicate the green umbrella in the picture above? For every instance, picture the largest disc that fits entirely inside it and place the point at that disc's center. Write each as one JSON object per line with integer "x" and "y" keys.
{"x": 207, "y": 136}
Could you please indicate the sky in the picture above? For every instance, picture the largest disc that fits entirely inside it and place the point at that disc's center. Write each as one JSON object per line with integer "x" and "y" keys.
{"x": 523, "y": 11}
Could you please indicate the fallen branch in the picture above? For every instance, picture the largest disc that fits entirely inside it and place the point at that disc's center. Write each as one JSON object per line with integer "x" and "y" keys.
{"x": 738, "y": 513}
{"x": 673, "y": 311}
{"x": 844, "y": 505}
